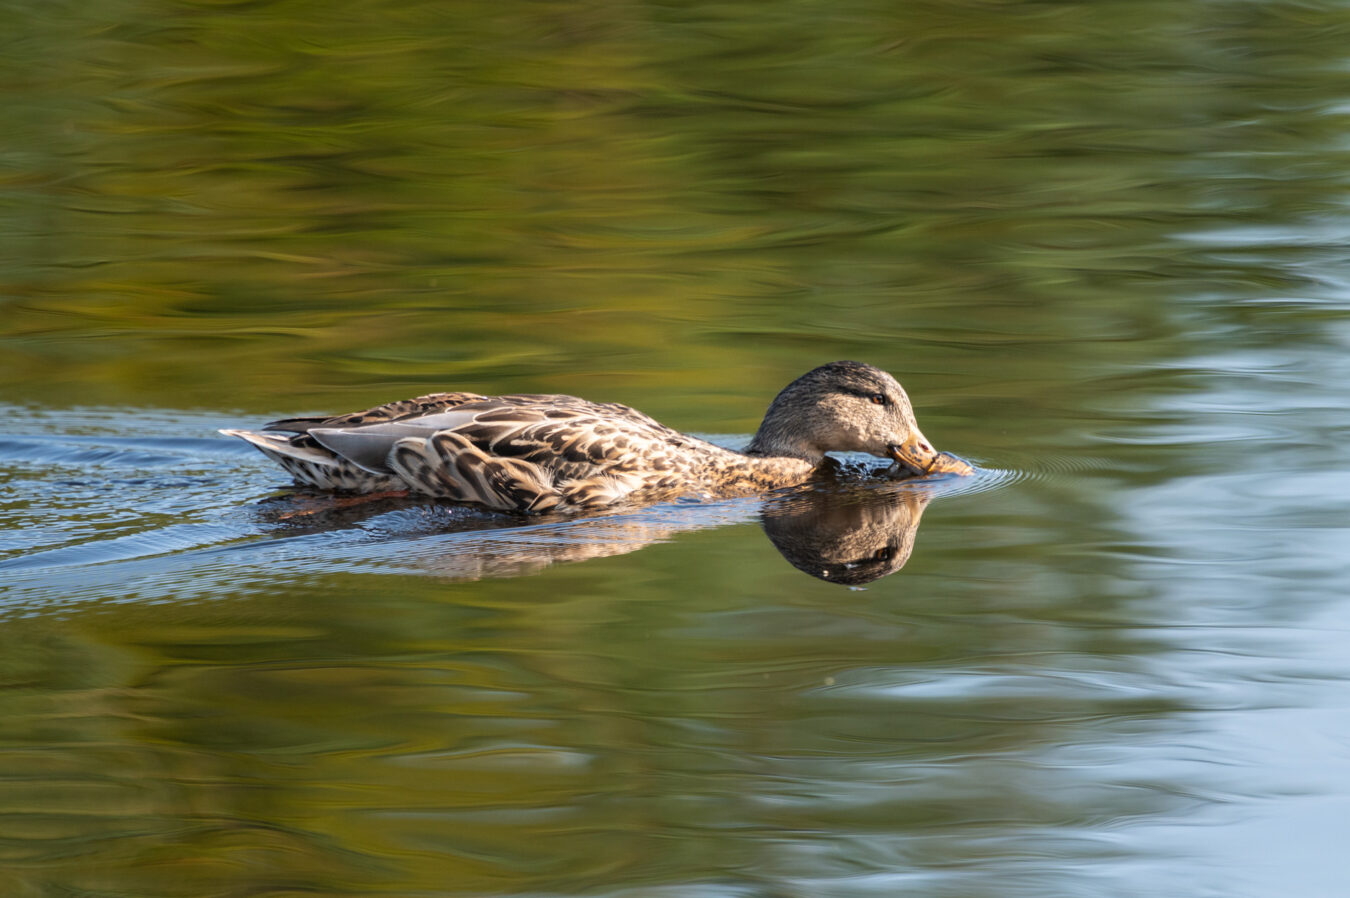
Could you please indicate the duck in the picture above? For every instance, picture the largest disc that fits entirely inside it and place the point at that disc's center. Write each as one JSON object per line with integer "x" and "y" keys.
{"x": 537, "y": 454}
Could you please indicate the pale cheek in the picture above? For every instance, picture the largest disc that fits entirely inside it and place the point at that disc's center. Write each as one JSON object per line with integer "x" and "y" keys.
{"x": 893, "y": 431}
{"x": 858, "y": 438}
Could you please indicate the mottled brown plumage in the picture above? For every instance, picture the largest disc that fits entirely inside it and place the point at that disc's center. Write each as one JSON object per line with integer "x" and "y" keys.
{"x": 542, "y": 453}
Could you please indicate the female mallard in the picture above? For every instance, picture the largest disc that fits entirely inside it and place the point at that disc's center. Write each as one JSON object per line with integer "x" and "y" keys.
{"x": 533, "y": 453}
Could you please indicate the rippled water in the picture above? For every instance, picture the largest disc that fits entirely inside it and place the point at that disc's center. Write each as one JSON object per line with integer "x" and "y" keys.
{"x": 1102, "y": 245}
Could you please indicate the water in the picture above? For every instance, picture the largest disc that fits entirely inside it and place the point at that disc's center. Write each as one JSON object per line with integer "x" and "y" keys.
{"x": 1102, "y": 244}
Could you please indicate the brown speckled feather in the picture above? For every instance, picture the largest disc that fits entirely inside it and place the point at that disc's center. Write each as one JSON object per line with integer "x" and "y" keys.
{"x": 541, "y": 453}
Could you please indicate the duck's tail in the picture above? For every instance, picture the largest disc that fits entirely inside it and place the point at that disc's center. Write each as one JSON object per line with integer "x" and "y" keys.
{"x": 311, "y": 464}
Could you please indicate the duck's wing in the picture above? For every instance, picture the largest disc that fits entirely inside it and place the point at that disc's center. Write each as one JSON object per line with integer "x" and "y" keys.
{"x": 522, "y": 453}
{"x": 390, "y": 411}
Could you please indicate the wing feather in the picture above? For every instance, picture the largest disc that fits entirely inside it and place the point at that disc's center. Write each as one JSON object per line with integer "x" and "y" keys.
{"x": 519, "y": 452}
{"x": 390, "y": 411}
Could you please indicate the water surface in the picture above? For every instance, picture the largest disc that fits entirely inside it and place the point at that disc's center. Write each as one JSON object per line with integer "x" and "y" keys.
{"x": 1102, "y": 245}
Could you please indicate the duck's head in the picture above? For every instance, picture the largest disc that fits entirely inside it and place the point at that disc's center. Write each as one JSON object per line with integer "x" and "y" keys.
{"x": 844, "y": 407}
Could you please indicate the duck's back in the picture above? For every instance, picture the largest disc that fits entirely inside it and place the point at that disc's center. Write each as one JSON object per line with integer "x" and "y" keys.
{"x": 521, "y": 452}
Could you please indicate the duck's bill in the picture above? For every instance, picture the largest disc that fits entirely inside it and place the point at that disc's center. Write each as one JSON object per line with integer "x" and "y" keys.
{"x": 914, "y": 454}
{"x": 946, "y": 463}
{"x": 919, "y": 458}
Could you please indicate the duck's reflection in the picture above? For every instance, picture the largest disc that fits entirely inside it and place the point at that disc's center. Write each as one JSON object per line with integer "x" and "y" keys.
{"x": 850, "y": 538}
{"x": 839, "y": 531}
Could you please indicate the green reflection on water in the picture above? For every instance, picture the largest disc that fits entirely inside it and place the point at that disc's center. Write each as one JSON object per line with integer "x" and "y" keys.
{"x": 249, "y": 205}
{"x": 403, "y": 735}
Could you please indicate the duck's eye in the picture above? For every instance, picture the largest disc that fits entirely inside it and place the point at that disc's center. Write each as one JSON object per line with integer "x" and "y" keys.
{"x": 885, "y": 553}
{"x": 879, "y": 399}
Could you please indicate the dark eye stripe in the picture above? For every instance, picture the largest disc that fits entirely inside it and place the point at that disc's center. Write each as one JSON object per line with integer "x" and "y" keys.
{"x": 869, "y": 395}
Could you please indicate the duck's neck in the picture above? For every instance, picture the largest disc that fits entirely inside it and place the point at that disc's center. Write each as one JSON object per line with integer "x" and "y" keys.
{"x": 749, "y": 472}
{"x": 775, "y": 441}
